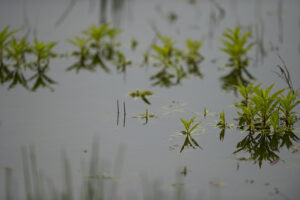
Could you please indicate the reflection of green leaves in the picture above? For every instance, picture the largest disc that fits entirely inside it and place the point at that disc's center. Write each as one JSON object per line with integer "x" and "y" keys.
{"x": 236, "y": 77}
{"x": 141, "y": 94}
{"x": 189, "y": 140}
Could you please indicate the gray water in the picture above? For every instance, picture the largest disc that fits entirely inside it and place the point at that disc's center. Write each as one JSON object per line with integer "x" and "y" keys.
{"x": 83, "y": 105}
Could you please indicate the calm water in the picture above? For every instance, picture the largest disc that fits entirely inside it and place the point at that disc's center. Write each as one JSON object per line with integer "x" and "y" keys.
{"x": 83, "y": 105}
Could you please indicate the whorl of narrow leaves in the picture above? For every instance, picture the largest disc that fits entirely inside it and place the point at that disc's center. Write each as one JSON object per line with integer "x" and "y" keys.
{"x": 269, "y": 119}
{"x": 236, "y": 45}
{"x": 189, "y": 140}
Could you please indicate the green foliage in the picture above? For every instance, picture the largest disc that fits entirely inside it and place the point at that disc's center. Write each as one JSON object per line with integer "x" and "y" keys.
{"x": 134, "y": 43}
{"x": 189, "y": 140}
{"x": 172, "y": 60}
{"x": 16, "y": 51}
{"x": 269, "y": 119}
{"x": 236, "y": 46}
{"x": 82, "y": 53}
{"x": 141, "y": 94}
{"x": 287, "y": 104}
{"x": 192, "y": 57}
{"x": 42, "y": 52}
{"x": 96, "y": 48}
{"x": 222, "y": 124}
{"x": 23, "y": 62}
{"x": 5, "y": 35}
{"x": 146, "y": 116}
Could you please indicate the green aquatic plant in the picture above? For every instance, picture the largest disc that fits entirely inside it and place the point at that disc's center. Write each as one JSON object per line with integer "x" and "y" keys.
{"x": 20, "y": 58}
{"x": 205, "y": 112}
{"x": 172, "y": 61}
{"x": 222, "y": 124}
{"x": 16, "y": 50}
{"x": 236, "y": 45}
{"x": 103, "y": 43}
{"x": 133, "y": 44}
{"x": 42, "y": 52}
{"x": 82, "y": 53}
{"x": 121, "y": 62}
{"x": 166, "y": 58}
{"x": 5, "y": 35}
{"x": 142, "y": 94}
{"x": 146, "y": 116}
{"x": 287, "y": 104}
{"x": 189, "y": 140}
{"x": 98, "y": 47}
{"x": 265, "y": 103}
{"x": 268, "y": 118}
{"x": 193, "y": 57}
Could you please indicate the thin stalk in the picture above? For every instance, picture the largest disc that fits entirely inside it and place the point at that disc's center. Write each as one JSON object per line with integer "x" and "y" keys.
{"x": 118, "y": 112}
{"x": 124, "y": 121}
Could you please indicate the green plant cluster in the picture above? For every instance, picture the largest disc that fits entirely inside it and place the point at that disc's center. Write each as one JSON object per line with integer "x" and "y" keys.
{"x": 222, "y": 124}
{"x": 268, "y": 118}
{"x": 236, "y": 46}
{"x": 171, "y": 60}
{"x": 141, "y": 94}
{"x": 23, "y": 63}
{"x": 189, "y": 140}
{"x": 97, "y": 47}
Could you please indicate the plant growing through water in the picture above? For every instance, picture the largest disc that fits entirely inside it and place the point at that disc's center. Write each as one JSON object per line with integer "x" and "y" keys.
{"x": 193, "y": 57}
{"x": 146, "y": 116}
{"x": 142, "y": 94}
{"x": 96, "y": 48}
{"x": 269, "y": 120}
{"x": 236, "y": 46}
{"x": 287, "y": 104}
{"x": 5, "y": 35}
{"x": 133, "y": 44}
{"x": 222, "y": 124}
{"x": 189, "y": 140}
{"x": 42, "y": 52}
{"x": 16, "y": 50}
{"x": 172, "y": 60}
{"x": 82, "y": 53}
{"x": 19, "y": 59}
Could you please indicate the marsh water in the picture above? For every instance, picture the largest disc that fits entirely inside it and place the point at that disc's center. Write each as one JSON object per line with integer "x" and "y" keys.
{"x": 83, "y": 106}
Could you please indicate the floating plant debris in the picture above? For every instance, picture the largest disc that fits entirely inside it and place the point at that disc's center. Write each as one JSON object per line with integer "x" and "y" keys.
{"x": 141, "y": 94}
